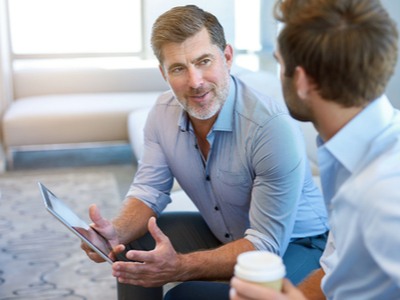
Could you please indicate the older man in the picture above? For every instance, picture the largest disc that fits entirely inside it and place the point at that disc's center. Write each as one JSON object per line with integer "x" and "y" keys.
{"x": 238, "y": 155}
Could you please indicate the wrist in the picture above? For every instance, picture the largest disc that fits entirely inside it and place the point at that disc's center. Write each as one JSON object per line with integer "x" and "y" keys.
{"x": 182, "y": 272}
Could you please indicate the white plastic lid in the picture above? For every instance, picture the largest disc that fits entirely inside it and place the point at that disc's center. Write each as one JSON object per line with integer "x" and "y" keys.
{"x": 259, "y": 266}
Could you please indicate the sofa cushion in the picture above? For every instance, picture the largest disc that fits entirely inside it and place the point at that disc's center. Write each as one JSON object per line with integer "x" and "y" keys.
{"x": 71, "y": 118}
{"x": 115, "y": 76}
{"x": 136, "y": 122}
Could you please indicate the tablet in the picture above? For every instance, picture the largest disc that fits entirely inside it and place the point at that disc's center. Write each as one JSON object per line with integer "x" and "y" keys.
{"x": 74, "y": 223}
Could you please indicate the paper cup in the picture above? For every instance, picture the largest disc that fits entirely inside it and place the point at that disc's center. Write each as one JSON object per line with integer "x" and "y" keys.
{"x": 261, "y": 267}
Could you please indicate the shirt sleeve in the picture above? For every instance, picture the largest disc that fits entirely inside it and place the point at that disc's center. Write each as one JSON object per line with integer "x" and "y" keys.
{"x": 153, "y": 180}
{"x": 279, "y": 162}
{"x": 329, "y": 258}
{"x": 381, "y": 220}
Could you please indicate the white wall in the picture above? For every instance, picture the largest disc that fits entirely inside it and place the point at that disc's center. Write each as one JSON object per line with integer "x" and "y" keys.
{"x": 393, "y": 90}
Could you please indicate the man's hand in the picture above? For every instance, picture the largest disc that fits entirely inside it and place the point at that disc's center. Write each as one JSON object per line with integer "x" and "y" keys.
{"x": 242, "y": 290}
{"x": 106, "y": 229}
{"x": 153, "y": 268}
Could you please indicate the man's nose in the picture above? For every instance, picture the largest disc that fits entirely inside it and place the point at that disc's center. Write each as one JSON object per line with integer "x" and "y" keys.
{"x": 195, "y": 77}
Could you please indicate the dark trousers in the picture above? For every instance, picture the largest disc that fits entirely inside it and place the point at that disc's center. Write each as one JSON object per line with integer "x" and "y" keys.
{"x": 188, "y": 232}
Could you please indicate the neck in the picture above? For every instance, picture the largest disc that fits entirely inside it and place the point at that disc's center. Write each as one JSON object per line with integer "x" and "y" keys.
{"x": 201, "y": 130}
{"x": 202, "y": 127}
{"x": 330, "y": 118}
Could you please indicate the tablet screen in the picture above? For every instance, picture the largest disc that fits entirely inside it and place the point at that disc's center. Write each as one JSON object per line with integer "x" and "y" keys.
{"x": 75, "y": 224}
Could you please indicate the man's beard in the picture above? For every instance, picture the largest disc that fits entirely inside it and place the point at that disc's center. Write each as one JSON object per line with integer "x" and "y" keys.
{"x": 211, "y": 109}
{"x": 293, "y": 102}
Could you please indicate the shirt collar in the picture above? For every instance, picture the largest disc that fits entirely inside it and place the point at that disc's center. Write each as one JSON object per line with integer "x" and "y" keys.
{"x": 225, "y": 117}
{"x": 350, "y": 144}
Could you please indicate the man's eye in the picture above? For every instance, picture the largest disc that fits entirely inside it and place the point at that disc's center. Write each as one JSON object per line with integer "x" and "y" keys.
{"x": 205, "y": 61}
{"x": 177, "y": 70}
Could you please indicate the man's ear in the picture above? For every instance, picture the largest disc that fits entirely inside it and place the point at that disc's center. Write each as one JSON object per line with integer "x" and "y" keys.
{"x": 228, "y": 53}
{"x": 162, "y": 72}
{"x": 302, "y": 82}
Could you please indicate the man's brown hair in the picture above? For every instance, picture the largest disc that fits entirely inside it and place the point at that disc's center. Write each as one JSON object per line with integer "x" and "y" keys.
{"x": 347, "y": 47}
{"x": 183, "y": 22}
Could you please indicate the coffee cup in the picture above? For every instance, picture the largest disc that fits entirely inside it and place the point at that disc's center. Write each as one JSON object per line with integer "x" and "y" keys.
{"x": 261, "y": 267}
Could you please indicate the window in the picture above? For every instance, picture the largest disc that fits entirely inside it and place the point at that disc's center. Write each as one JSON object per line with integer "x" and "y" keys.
{"x": 89, "y": 31}
{"x": 75, "y": 27}
{"x": 255, "y": 34}
{"x": 247, "y": 25}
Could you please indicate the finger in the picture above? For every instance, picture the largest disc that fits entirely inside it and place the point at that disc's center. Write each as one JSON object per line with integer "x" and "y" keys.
{"x": 232, "y": 294}
{"x": 85, "y": 247}
{"x": 95, "y": 257}
{"x": 117, "y": 253}
{"x": 141, "y": 256}
{"x": 119, "y": 248}
{"x": 248, "y": 290}
{"x": 287, "y": 285}
{"x": 91, "y": 254}
{"x": 148, "y": 256}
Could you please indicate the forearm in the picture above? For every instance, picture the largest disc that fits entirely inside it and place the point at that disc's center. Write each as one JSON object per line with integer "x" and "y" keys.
{"x": 131, "y": 223}
{"x": 216, "y": 264}
{"x": 311, "y": 286}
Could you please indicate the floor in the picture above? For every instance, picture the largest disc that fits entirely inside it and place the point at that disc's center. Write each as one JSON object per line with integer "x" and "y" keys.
{"x": 118, "y": 160}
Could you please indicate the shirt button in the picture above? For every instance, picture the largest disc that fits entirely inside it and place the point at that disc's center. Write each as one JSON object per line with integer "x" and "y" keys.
{"x": 208, "y": 177}
{"x": 227, "y": 235}
{"x": 216, "y": 208}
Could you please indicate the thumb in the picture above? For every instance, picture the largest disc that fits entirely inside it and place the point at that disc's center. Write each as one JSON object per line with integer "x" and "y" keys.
{"x": 96, "y": 217}
{"x": 155, "y": 231}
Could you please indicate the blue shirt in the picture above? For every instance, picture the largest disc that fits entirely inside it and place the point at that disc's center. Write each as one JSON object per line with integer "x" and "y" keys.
{"x": 256, "y": 181}
{"x": 360, "y": 176}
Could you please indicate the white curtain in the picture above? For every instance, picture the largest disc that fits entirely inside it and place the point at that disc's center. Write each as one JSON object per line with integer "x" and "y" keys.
{"x": 6, "y": 90}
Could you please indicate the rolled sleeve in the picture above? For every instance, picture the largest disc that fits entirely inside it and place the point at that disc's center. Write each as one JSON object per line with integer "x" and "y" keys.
{"x": 153, "y": 179}
{"x": 280, "y": 167}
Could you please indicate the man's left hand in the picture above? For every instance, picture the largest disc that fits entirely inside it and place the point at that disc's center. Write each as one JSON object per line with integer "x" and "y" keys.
{"x": 150, "y": 268}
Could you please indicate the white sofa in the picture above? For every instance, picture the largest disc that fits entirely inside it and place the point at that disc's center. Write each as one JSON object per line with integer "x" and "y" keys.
{"x": 62, "y": 108}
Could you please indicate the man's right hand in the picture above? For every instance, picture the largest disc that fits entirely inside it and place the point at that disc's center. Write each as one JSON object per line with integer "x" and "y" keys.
{"x": 242, "y": 290}
{"x": 106, "y": 229}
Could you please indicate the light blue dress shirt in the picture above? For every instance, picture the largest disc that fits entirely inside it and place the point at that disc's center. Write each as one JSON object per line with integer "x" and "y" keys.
{"x": 360, "y": 177}
{"x": 256, "y": 181}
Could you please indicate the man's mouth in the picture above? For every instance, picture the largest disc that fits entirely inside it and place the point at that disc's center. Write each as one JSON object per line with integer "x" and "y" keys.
{"x": 199, "y": 97}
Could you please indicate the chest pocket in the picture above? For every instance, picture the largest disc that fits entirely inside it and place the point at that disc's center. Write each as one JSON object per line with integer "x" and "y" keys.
{"x": 235, "y": 187}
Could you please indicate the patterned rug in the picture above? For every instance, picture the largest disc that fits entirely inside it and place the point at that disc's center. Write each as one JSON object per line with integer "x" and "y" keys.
{"x": 39, "y": 257}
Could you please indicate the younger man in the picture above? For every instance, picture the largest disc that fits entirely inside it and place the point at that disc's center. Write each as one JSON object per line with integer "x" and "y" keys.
{"x": 336, "y": 58}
